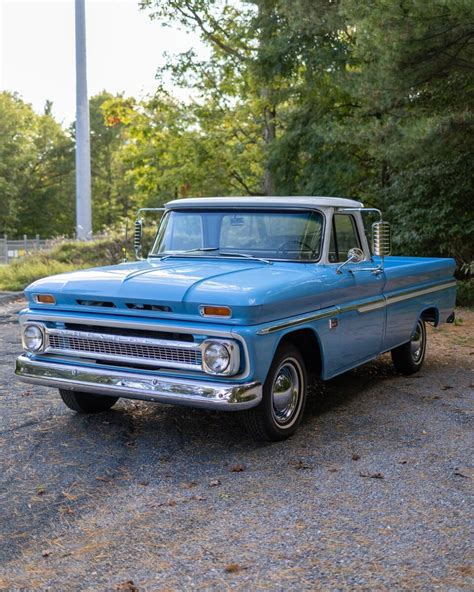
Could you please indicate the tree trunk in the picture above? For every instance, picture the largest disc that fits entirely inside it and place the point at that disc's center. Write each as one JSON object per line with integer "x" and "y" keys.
{"x": 267, "y": 31}
{"x": 269, "y": 135}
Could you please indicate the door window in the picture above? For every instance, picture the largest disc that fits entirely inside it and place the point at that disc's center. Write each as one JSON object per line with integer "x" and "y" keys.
{"x": 344, "y": 236}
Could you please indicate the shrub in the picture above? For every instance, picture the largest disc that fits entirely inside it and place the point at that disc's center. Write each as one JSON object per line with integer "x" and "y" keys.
{"x": 61, "y": 258}
{"x": 465, "y": 294}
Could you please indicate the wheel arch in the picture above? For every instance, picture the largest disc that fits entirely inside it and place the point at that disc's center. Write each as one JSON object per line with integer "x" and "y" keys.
{"x": 306, "y": 340}
{"x": 430, "y": 315}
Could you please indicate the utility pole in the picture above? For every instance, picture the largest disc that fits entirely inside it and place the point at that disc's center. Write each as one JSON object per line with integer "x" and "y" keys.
{"x": 83, "y": 148}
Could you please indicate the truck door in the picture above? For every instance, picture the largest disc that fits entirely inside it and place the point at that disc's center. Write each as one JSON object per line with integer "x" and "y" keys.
{"x": 358, "y": 294}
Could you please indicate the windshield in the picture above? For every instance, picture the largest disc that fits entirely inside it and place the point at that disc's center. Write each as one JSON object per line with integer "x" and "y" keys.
{"x": 285, "y": 235}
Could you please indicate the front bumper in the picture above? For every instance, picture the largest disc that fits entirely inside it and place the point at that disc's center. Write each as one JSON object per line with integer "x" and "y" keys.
{"x": 177, "y": 391}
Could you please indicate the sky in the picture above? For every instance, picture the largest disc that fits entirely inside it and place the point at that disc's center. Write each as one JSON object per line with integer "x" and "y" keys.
{"x": 124, "y": 50}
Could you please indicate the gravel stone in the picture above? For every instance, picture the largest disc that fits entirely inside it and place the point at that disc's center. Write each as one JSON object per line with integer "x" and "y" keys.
{"x": 122, "y": 500}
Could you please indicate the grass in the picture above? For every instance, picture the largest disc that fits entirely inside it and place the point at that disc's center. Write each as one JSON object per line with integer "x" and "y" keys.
{"x": 61, "y": 258}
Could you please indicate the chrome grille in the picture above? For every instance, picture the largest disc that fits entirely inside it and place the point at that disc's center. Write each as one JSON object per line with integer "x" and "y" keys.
{"x": 121, "y": 348}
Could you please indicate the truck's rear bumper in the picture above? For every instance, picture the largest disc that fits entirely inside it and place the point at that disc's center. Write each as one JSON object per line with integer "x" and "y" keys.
{"x": 196, "y": 393}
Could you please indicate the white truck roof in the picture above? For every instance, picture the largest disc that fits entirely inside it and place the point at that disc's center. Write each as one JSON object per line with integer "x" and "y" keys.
{"x": 278, "y": 202}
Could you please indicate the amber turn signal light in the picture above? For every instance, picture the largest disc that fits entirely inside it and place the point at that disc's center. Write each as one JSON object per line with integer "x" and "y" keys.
{"x": 216, "y": 311}
{"x": 45, "y": 299}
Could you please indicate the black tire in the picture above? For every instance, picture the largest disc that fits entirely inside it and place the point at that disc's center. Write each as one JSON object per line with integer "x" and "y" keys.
{"x": 87, "y": 403}
{"x": 408, "y": 358}
{"x": 274, "y": 420}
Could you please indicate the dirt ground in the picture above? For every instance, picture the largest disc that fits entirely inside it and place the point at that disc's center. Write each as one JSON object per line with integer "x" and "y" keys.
{"x": 374, "y": 492}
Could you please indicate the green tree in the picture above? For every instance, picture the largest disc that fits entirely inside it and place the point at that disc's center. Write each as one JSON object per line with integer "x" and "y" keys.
{"x": 110, "y": 186}
{"x": 36, "y": 171}
{"x": 238, "y": 84}
{"x": 412, "y": 79}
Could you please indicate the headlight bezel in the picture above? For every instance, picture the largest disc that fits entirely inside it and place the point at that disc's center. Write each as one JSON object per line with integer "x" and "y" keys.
{"x": 41, "y": 335}
{"x": 233, "y": 351}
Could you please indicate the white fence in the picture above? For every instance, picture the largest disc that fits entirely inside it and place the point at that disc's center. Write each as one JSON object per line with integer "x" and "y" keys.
{"x": 12, "y": 249}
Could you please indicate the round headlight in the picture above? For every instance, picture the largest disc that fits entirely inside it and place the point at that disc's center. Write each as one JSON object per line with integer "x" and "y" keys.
{"x": 216, "y": 358}
{"x": 33, "y": 338}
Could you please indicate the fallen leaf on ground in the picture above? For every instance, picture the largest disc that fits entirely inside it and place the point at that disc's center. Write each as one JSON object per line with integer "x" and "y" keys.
{"x": 372, "y": 475}
{"x": 104, "y": 479}
{"x": 69, "y": 496}
{"x": 300, "y": 465}
{"x": 214, "y": 482}
{"x": 189, "y": 484}
{"x": 127, "y": 586}
{"x": 233, "y": 568}
{"x": 170, "y": 503}
{"x": 198, "y": 498}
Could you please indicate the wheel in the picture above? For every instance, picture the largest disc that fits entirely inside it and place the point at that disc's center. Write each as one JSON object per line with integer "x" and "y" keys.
{"x": 284, "y": 398}
{"x": 408, "y": 358}
{"x": 87, "y": 403}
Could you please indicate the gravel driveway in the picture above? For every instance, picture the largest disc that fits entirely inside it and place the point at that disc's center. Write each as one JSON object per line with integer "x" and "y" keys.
{"x": 373, "y": 492}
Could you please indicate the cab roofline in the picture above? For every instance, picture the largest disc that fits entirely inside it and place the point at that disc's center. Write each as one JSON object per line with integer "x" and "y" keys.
{"x": 263, "y": 202}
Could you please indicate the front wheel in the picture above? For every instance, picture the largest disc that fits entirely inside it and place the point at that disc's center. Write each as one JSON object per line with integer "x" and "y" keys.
{"x": 284, "y": 398}
{"x": 85, "y": 402}
{"x": 408, "y": 358}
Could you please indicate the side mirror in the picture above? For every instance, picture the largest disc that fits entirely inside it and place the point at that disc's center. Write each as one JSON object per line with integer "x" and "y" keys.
{"x": 381, "y": 239}
{"x": 355, "y": 255}
{"x": 137, "y": 238}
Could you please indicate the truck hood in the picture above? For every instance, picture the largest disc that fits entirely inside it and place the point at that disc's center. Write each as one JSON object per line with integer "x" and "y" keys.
{"x": 175, "y": 288}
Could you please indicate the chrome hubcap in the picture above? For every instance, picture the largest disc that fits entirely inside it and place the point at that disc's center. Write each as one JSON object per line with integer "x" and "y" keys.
{"x": 286, "y": 393}
{"x": 417, "y": 343}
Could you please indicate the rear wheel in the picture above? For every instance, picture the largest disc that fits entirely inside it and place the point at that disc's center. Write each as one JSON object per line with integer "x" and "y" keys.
{"x": 284, "y": 398}
{"x": 87, "y": 403}
{"x": 408, "y": 358}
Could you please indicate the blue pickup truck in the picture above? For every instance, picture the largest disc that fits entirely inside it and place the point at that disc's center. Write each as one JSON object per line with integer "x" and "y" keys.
{"x": 238, "y": 302}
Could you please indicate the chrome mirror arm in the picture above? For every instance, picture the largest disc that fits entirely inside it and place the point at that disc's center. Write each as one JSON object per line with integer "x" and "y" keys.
{"x": 351, "y": 258}
{"x": 375, "y": 270}
{"x": 355, "y": 255}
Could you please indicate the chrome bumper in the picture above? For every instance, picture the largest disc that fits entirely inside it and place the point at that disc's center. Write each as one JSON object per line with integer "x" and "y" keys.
{"x": 177, "y": 391}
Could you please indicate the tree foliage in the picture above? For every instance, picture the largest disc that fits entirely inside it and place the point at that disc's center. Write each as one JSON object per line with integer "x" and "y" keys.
{"x": 36, "y": 167}
{"x": 321, "y": 97}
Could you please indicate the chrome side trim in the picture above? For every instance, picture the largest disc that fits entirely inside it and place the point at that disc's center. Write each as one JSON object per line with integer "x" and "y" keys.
{"x": 415, "y": 292}
{"x": 325, "y": 312}
{"x": 369, "y": 306}
{"x": 375, "y": 304}
{"x": 195, "y": 393}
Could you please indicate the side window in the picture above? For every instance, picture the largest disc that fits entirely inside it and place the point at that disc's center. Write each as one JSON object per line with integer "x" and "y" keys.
{"x": 344, "y": 236}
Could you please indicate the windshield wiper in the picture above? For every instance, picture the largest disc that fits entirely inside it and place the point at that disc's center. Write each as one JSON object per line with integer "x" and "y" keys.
{"x": 207, "y": 249}
{"x": 246, "y": 256}
{"x": 181, "y": 253}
